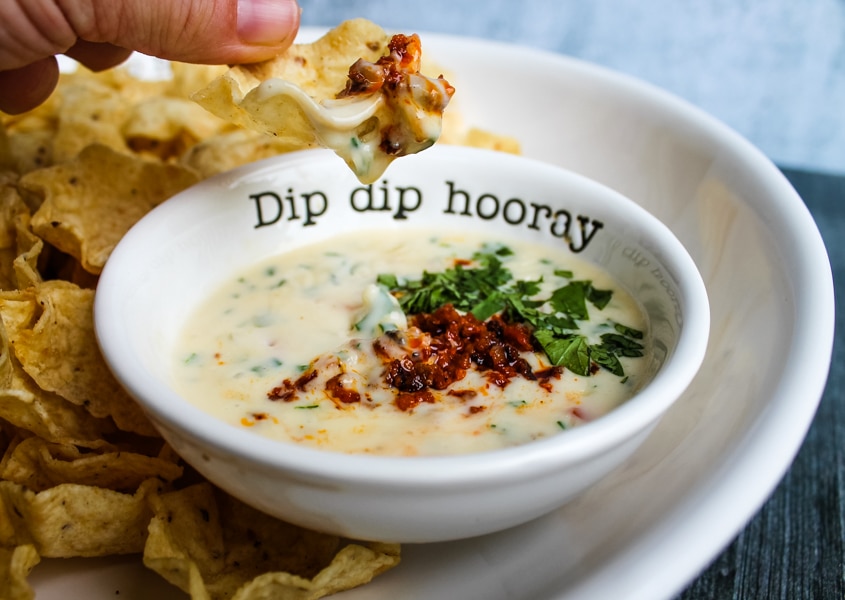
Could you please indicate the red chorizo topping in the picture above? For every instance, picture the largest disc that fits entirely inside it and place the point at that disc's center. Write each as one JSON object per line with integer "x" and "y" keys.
{"x": 336, "y": 390}
{"x": 288, "y": 389}
{"x": 463, "y": 393}
{"x": 579, "y": 413}
{"x": 437, "y": 350}
{"x": 457, "y": 343}
{"x": 380, "y": 349}
{"x": 397, "y": 77}
{"x": 285, "y": 391}
{"x": 364, "y": 78}
{"x": 544, "y": 377}
{"x": 407, "y": 401}
{"x": 393, "y": 69}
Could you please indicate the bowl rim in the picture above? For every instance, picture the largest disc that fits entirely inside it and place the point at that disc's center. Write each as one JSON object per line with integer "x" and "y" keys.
{"x": 488, "y": 468}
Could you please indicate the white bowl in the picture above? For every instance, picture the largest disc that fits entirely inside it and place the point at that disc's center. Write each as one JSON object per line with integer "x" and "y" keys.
{"x": 178, "y": 254}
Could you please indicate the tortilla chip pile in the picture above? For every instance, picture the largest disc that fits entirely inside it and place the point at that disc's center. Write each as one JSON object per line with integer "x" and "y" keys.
{"x": 83, "y": 473}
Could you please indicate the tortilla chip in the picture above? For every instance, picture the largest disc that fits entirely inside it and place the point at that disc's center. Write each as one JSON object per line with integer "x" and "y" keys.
{"x": 233, "y": 149}
{"x": 39, "y": 465}
{"x": 30, "y": 150}
{"x": 166, "y": 127}
{"x": 75, "y": 520}
{"x": 29, "y": 249}
{"x": 320, "y": 69}
{"x": 11, "y": 208}
{"x": 58, "y": 348}
{"x": 354, "y": 565}
{"x": 480, "y": 138}
{"x": 15, "y": 565}
{"x": 26, "y": 406}
{"x": 51, "y": 417}
{"x": 90, "y": 202}
{"x": 214, "y": 547}
{"x": 188, "y": 78}
{"x": 125, "y": 85}
{"x": 6, "y": 158}
{"x": 74, "y": 135}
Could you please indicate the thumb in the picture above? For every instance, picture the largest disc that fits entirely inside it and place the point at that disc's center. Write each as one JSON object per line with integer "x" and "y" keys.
{"x": 199, "y": 31}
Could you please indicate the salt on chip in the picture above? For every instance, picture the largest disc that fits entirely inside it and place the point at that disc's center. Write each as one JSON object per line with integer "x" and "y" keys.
{"x": 15, "y": 565}
{"x": 75, "y": 520}
{"x": 214, "y": 547}
{"x": 58, "y": 348}
{"x": 89, "y": 203}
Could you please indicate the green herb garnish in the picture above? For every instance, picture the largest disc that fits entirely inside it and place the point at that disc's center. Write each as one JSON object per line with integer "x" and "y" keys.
{"x": 489, "y": 288}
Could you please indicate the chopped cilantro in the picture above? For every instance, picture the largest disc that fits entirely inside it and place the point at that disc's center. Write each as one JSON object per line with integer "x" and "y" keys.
{"x": 388, "y": 281}
{"x": 628, "y": 331}
{"x": 489, "y": 288}
{"x": 570, "y": 351}
{"x": 267, "y": 365}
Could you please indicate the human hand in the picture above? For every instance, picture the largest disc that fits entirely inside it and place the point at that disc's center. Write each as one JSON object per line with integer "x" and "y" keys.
{"x": 103, "y": 33}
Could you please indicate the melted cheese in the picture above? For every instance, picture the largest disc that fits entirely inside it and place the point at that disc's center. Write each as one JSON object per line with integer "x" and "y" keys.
{"x": 316, "y": 309}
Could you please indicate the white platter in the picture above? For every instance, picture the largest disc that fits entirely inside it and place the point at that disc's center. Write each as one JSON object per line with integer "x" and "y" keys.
{"x": 649, "y": 528}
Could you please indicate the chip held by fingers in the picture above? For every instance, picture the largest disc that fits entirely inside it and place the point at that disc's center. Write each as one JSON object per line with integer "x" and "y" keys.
{"x": 370, "y": 113}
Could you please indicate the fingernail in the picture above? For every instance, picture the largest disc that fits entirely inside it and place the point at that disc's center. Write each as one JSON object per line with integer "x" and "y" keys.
{"x": 267, "y": 22}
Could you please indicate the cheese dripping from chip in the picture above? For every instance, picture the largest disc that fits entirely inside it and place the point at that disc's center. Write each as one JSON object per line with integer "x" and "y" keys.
{"x": 387, "y": 108}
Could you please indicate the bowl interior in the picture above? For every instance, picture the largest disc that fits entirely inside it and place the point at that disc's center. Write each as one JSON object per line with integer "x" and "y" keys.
{"x": 183, "y": 250}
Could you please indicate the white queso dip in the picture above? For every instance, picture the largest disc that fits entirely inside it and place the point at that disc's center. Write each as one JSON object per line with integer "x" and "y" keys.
{"x": 414, "y": 343}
